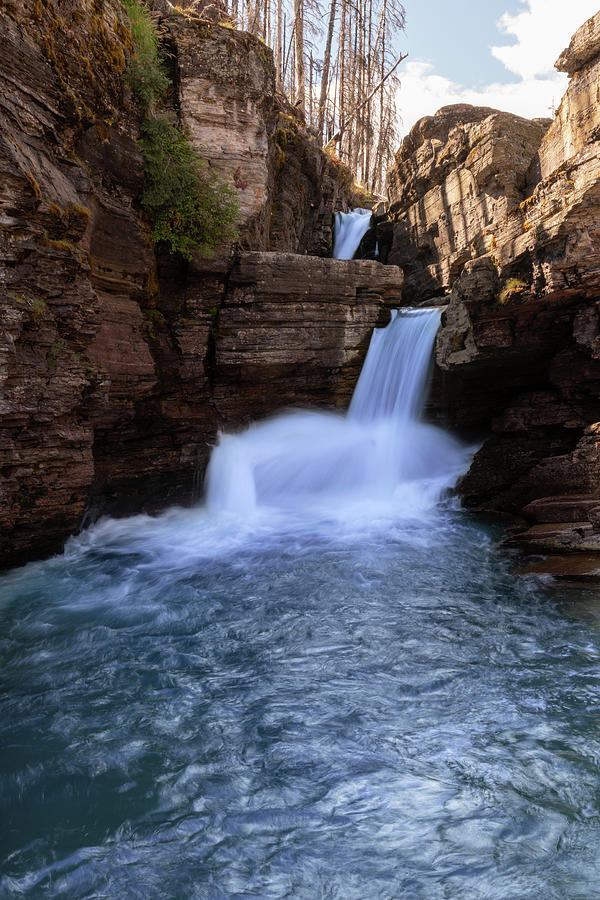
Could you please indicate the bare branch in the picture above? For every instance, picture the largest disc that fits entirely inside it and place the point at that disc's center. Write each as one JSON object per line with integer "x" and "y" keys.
{"x": 344, "y": 125}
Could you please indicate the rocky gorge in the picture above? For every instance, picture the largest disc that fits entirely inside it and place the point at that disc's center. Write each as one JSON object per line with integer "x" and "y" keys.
{"x": 499, "y": 216}
{"x": 119, "y": 364}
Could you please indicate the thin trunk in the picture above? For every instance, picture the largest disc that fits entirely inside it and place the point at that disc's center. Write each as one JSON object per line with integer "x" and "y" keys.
{"x": 287, "y": 58}
{"x": 325, "y": 73}
{"x": 341, "y": 66}
{"x": 293, "y": 72}
{"x": 330, "y": 120}
{"x": 357, "y": 109}
{"x": 381, "y": 96}
{"x": 283, "y": 46}
{"x": 310, "y": 90}
{"x": 254, "y": 17}
{"x": 278, "y": 53}
{"x": 348, "y": 83}
{"x": 363, "y": 91}
{"x": 369, "y": 65}
{"x": 300, "y": 93}
{"x": 353, "y": 139}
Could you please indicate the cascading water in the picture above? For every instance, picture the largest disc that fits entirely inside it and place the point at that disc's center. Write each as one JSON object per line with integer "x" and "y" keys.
{"x": 343, "y": 692}
{"x": 349, "y": 231}
{"x": 379, "y": 451}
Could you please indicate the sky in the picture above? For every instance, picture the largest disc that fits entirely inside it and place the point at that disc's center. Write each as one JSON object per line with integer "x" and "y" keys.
{"x": 497, "y": 53}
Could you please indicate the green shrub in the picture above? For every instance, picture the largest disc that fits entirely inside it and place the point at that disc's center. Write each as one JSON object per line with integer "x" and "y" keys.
{"x": 194, "y": 210}
{"x": 144, "y": 74}
{"x": 514, "y": 287}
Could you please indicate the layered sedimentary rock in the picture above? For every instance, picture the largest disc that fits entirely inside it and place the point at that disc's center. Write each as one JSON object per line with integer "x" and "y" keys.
{"x": 226, "y": 98}
{"x": 457, "y": 176}
{"x": 115, "y": 373}
{"x": 299, "y": 326}
{"x": 520, "y": 343}
{"x": 287, "y": 186}
{"x": 74, "y": 259}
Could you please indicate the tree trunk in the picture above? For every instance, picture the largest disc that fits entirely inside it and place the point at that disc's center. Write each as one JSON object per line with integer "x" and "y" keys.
{"x": 300, "y": 93}
{"x": 278, "y": 39}
{"x": 325, "y": 72}
{"x": 310, "y": 91}
{"x": 357, "y": 109}
{"x": 342, "y": 67}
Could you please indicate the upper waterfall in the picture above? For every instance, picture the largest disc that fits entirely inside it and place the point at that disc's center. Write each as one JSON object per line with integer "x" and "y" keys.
{"x": 349, "y": 231}
{"x": 379, "y": 450}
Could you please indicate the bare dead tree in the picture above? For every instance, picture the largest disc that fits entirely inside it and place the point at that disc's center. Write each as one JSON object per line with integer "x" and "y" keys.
{"x": 336, "y": 59}
{"x": 278, "y": 43}
{"x": 300, "y": 92}
{"x": 350, "y": 117}
{"x": 325, "y": 71}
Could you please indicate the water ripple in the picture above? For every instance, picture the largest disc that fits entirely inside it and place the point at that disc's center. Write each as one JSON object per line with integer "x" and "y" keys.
{"x": 197, "y": 709}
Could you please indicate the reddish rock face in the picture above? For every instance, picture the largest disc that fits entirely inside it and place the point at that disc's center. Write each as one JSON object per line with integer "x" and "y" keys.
{"x": 70, "y": 246}
{"x": 294, "y": 331}
{"x": 520, "y": 343}
{"x": 115, "y": 372}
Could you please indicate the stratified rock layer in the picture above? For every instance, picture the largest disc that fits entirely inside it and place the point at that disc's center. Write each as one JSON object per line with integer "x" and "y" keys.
{"x": 520, "y": 343}
{"x": 458, "y": 176}
{"x": 287, "y": 186}
{"x": 299, "y": 326}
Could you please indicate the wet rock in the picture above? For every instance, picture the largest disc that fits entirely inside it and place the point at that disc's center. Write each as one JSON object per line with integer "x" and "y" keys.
{"x": 294, "y": 330}
{"x": 582, "y": 569}
{"x": 563, "y": 508}
{"x": 558, "y": 537}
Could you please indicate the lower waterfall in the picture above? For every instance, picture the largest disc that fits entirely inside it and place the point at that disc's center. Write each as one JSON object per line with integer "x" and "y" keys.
{"x": 379, "y": 451}
{"x": 324, "y": 683}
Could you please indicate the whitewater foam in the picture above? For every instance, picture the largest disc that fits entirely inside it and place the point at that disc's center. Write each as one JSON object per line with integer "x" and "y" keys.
{"x": 380, "y": 452}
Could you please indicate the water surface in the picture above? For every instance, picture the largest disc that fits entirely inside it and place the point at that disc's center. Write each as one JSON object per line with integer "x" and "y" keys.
{"x": 325, "y": 684}
{"x": 340, "y": 707}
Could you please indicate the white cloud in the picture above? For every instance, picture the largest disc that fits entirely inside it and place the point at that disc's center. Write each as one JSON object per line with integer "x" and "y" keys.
{"x": 423, "y": 92}
{"x": 541, "y": 30}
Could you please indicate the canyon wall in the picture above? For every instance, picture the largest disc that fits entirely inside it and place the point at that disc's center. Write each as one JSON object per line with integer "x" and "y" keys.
{"x": 287, "y": 186}
{"x": 501, "y": 216}
{"x": 118, "y": 365}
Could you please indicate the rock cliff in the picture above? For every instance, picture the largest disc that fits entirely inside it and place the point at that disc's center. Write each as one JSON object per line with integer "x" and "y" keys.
{"x": 502, "y": 215}
{"x": 117, "y": 366}
{"x": 288, "y": 188}
{"x": 457, "y": 176}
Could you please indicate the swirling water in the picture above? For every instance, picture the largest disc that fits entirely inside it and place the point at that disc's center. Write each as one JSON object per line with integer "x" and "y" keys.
{"x": 351, "y": 699}
{"x": 195, "y": 708}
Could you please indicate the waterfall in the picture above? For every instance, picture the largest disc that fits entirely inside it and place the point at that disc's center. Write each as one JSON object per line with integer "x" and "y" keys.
{"x": 349, "y": 231}
{"x": 379, "y": 450}
{"x": 393, "y": 381}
